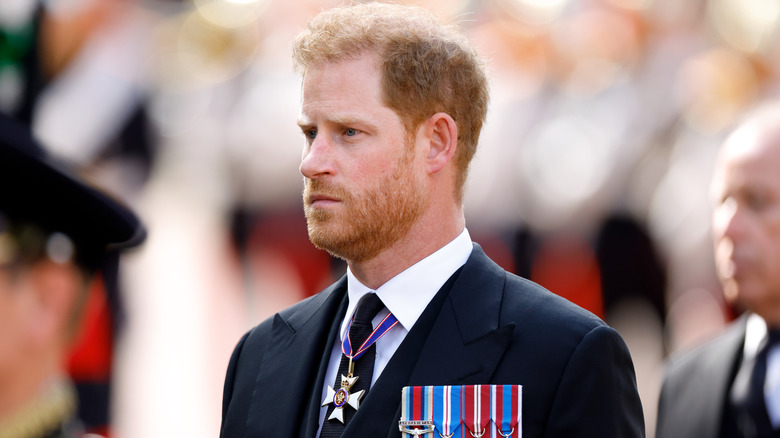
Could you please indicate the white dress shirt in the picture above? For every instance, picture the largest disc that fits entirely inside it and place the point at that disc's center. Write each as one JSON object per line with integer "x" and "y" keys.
{"x": 755, "y": 332}
{"x": 406, "y": 295}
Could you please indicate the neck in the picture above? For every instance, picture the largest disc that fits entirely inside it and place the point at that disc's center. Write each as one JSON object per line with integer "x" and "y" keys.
{"x": 772, "y": 319}
{"x": 433, "y": 231}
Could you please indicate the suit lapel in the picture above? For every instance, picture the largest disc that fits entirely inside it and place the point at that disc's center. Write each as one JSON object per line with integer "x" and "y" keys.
{"x": 471, "y": 357}
{"x": 716, "y": 377}
{"x": 288, "y": 389}
{"x": 456, "y": 330}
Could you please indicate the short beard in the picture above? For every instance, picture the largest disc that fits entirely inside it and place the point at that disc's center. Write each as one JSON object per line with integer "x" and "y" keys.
{"x": 371, "y": 222}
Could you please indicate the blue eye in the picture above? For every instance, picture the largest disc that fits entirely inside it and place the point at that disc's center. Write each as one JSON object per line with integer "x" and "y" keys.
{"x": 311, "y": 134}
{"x": 350, "y": 132}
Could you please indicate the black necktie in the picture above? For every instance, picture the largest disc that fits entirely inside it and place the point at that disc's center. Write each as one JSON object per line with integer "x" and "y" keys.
{"x": 748, "y": 393}
{"x": 361, "y": 328}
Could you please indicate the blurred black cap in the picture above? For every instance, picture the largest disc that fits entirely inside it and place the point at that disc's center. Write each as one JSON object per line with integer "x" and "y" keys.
{"x": 36, "y": 189}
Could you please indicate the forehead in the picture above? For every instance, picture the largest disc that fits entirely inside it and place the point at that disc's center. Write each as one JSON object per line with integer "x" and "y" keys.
{"x": 751, "y": 156}
{"x": 348, "y": 83}
{"x": 361, "y": 59}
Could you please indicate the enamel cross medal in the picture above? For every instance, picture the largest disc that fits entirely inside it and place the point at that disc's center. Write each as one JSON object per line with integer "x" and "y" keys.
{"x": 343, "y": 396}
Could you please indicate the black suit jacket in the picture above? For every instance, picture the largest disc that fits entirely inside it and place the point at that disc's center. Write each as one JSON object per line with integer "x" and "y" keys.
{"x": 486, "y": 326}
{"x": 696, "y": 387}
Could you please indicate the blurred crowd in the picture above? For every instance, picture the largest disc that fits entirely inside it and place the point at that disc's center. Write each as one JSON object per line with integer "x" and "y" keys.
{"x": 591, "y": 178}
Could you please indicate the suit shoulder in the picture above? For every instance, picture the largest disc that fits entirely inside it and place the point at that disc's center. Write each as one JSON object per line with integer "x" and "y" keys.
{"x": 695, "y": 384}
{"x": 258, "y": 333}
{"x": 712, "y": 351}
{"x": 251, "y": 345}
{"x": 522, "y": 301}
{"x": 297, "y": 314}
{"x": 531, "y": 300}
{"x": 249, "y": 356}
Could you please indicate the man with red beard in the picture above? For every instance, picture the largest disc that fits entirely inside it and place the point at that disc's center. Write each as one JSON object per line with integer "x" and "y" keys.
{"x": 393, "y": 104}
{"x": 730, "y": 387}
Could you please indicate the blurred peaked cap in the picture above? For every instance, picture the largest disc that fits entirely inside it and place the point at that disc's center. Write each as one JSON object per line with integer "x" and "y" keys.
{"x": 36, "y": 189}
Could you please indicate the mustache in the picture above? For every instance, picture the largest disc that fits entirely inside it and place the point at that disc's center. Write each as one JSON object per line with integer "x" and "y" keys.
{"x": 314, "y": 188}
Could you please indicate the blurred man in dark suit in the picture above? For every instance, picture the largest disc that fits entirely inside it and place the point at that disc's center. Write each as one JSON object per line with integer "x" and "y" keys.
{"x": 730, "y": 387}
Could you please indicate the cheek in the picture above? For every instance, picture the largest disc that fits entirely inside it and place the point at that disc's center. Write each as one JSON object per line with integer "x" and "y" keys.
{"x": 770, "y": 245}
{"x": 10, "y": 324}
{"x": 766, "y": 242}
{"x": 372, "y": 174}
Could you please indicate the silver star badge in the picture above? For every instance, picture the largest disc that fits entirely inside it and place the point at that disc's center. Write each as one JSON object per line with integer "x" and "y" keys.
{"x": 343, "y": 397}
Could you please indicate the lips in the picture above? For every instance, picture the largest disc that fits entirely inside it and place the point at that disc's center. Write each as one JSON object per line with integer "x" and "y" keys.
{"x": 320, "y": 199}
{"x": 317, "y": 193}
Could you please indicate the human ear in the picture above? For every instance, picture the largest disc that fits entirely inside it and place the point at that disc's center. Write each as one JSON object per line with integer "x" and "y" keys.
{"x": 442, "y": 136}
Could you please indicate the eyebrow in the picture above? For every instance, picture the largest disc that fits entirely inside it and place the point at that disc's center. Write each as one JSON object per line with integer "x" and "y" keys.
{"x": 339, "y": 119}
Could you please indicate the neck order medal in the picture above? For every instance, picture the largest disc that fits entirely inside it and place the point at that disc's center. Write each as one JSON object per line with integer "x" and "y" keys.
{"x": 343, "y": 396}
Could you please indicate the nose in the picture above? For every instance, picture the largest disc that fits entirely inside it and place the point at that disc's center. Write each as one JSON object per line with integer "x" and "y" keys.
{"x": 728, "y": 220}
{"x": 317, "y": 159}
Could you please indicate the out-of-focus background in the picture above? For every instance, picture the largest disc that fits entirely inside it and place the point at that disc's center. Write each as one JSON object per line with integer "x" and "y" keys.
{"x": 591, "y": 177}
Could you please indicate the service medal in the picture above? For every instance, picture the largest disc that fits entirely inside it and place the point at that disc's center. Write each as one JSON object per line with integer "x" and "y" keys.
{"x": 470, "y": 411}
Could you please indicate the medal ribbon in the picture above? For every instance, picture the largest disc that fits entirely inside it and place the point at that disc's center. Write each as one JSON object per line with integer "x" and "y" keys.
{"x": 476, "y": 404}
{"x": 387, "y": 323}
{"x": 506, "y": 409}
{"x": 446, "y": 409}
{"x": 421, "y": 404}
{"x": 470, "y": 408}
{"x": 417, "y": 406}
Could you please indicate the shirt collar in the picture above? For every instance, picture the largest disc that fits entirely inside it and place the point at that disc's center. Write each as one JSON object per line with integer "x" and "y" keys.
{"x": 755, "y": 332}
{"x": 407, "y": 294}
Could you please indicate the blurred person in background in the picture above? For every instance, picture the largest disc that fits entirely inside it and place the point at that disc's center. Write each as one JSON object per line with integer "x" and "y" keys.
{"x": 75, "y": 72}
{"x": 730, "y": 386}
{"x": 56, "y": 233}
{"x": 393, "y": 104}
